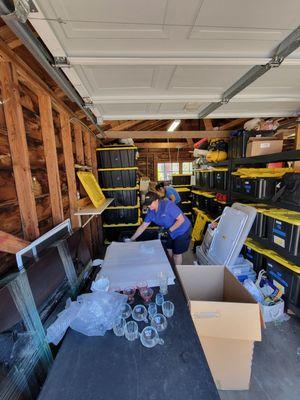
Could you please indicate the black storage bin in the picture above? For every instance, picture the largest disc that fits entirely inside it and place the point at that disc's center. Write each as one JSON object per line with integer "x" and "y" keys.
{"x": 186, "y": 207}
{"x": 254, "y": 257}
{"x": 205, "y": 180}
{"x": 181, "y": 179}
{"x": 290, "y": 281}
{"x": 284, "y": 237}
{"x": 185, "y": 194}
{"x": 114, "y": 157}
{"x": 122, "y": 197}
{"x": 114, "y": 216}
{"x": 259, "y": 227}
{"x": 118, "y": 178}
{"x": 220, "y": 179}
{"x": 197, "y": 178}
{"x": 256, "y": 188}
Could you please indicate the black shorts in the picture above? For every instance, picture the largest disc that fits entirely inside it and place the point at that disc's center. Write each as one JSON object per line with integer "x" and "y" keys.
{"x": 180, "y": 244}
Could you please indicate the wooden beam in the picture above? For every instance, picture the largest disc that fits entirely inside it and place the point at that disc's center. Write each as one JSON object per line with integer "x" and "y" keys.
{"x": 87, "y": 148}
{"x": 50, "y": 152}
{"x": 94, "y": 155}
{"x": 111, "y": 134}
{"x": 11, "y": 244}
{"x": 78, "y": 143}
{"x": 69, "y": 163}
{"x": 190, "y": 142}
{"x": 208, "y": 124}
{"x": 233, "y": 124}
{"x": 19, "y": 150}
{"x": 161, "y": 145}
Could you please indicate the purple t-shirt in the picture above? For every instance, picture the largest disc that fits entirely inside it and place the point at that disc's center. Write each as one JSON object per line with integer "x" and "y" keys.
{"x": 166, "y": 216}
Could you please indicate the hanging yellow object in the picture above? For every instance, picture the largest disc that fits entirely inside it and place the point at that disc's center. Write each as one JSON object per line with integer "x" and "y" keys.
{"x": 91, "y": 187}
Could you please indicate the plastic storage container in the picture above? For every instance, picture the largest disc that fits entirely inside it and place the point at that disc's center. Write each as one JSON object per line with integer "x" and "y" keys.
{"x": 284, "y": 234}
{"x": 114, "y": 157}
{"x": 184, "y": 193}
{"x": 181, "y": 179}
{"x": 205, "y": 179}
{"x": 220, "y": 179}
{"x": 254, "y": 257}
{"x": 118, "y": 215}
{"x": 122, "y": 197}
{"x": 117, "y": 178}
{"x": 257, "y": 188}
{"x": 186, "y": 207}
{"x": 287, "y": 280}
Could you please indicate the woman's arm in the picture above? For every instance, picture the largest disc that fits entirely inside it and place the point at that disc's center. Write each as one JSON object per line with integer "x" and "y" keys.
{"x": 140, "y": 230}
{"x": 172, "y": 198}
{"x": 179, "y": 221}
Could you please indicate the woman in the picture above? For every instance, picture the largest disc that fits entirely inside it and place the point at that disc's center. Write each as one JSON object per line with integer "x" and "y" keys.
{"x": 165, "y": 213}
{"x": 169, "y": 192}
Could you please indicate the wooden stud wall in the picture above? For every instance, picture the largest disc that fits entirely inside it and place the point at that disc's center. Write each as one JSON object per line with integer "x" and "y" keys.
{"x": 40, "y": 141}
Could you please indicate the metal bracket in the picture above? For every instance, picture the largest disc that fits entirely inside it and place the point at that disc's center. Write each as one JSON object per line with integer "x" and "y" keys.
{"x": 276, "y": 62}
{"x": 225, "y": 100}
{"x": 61, "y": 62}
{"x": 88, "y": 102}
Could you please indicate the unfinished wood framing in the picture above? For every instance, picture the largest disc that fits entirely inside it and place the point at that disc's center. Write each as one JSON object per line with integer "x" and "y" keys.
{"x": 51, "y": 158}
{"x": 78, "y": 143}
{"x": 87, "y": 147}
{"x": 165, "y": 135}
{"x": 11, "y": 244}
{"x": 18, "y": 149}
{"x": 162, "y": 145}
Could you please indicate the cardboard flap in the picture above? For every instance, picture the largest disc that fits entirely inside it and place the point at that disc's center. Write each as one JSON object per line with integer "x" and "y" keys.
{"x": 226, "y": 320}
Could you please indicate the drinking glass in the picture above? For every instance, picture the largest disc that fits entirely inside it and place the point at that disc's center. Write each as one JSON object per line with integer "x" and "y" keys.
{"x": 168, "y": 309}
{"x": 152, "y": 309}
{"x": 159, "y": 299}
{"x": 131, "y": 330}
{"x": 119, "y": 327}
{"x": 146, "y": 294}
{"x": 126, "y": 311}
{"x": 149, "y": 337}
{"x": 139, "y": 313}
{"x": 163, "y": 282}
{"x": 159, "y": 322}
{"x": 130, "y": 292}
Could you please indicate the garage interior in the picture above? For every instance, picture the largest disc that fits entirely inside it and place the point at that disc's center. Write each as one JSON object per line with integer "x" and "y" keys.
{"x": 163, "y": 80}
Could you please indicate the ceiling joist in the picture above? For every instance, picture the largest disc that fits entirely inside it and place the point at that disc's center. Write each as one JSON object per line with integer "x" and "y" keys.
{"x": 166, "y": 135}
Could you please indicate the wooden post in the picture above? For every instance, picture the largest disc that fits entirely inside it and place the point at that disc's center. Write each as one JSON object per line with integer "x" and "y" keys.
{"x": 50, "y": 152}
{"x": 94, "y": 156}
{"x": 19, "y": 150}
{"x": 87, "y": 148}
{"x": 69, "y": 163}
{"x": 155, "y": 160}
{"x": 78, "y": 144}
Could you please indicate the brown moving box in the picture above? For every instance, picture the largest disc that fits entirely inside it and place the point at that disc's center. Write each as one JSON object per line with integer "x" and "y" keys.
{"x": 259, "y": 146}
{"x": 227, "y": 320}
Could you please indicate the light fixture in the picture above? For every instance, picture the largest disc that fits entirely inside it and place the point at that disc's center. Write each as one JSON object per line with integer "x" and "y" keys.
{"x": 174, "y": 125}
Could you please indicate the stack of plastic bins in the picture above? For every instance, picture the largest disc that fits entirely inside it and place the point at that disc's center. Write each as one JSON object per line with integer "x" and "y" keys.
{"x": 186, "y": 203}
{"x": 181, "y": 180}
{"x": 118, "y": 180}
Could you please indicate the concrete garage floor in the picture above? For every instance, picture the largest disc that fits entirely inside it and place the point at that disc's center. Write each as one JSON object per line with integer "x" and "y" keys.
{"x": 276, "y": 365}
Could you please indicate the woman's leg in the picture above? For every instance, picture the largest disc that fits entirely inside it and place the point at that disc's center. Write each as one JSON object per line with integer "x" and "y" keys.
{"x": 177, "y": 259}
{"x": 170, "y": 252}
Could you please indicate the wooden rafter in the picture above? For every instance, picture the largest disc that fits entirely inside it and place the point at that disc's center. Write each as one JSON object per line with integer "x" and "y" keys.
{"x": 11, "y": 244}
{"x": 208, "y": 124}
{"x": 87, "y": 148}
{"x": 162, "y": 145}
{"x": 19, "y": 149}
{"x": 164, "y": 135}
{"x": 78, "y": 143}
{"x": 233, "y": 124}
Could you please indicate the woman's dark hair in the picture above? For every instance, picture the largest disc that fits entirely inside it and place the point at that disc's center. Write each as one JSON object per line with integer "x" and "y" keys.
{"x": 159, "y": 186}
{"x": 150, "y": 197}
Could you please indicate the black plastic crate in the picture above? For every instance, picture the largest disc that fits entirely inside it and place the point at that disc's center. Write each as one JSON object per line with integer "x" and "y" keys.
{"x": 120, "y": 216}
{"x": 284, "y": 237}
{"x": 206, "y": 180}
{"x": 215, "y": 208}
{"x": 186, "y": 207}
{"x": 254, "y": 257}
{"x": 114, "y": 157}
{"x": 257, "y": 188}
{"x": 220, "y": 179}
{"x": 287, "y": 279}
{"x": 259, "y": 227}
{"x": 181, "y": 179}
{"x": 122, "y": 197}
{"x": 185, "y": 194}
{"x": 118, "y": 178}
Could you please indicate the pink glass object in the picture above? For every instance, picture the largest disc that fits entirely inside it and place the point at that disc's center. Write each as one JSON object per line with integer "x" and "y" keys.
{"x": 146, "y": 294}
{"x": 130, "y": 292}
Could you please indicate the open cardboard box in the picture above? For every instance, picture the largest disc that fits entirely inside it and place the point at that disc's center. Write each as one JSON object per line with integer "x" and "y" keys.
{"x": 259, "y": 146}
{"x": 227, "y": 320}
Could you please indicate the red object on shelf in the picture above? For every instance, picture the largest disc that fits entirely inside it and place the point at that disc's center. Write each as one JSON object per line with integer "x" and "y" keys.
{"x": 276, "y": 165}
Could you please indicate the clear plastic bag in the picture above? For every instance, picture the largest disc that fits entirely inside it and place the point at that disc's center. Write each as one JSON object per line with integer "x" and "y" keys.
{"x": 92, "y": 315}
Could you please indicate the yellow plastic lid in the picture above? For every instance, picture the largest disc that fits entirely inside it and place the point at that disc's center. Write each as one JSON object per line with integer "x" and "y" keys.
{"x": 92, "y": 187}
{"x": 183, "y": 189}
{"x": 120, "y": 188}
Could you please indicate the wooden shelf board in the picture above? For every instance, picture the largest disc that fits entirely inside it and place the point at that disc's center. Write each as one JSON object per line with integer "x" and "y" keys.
{"x": 91, "y": 210}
